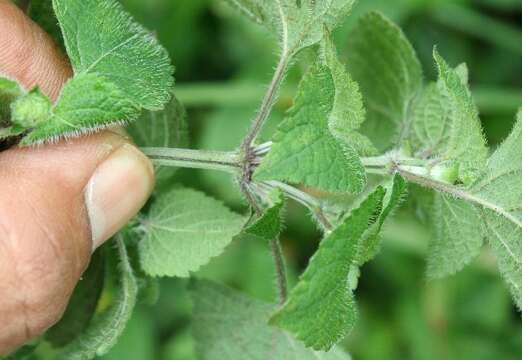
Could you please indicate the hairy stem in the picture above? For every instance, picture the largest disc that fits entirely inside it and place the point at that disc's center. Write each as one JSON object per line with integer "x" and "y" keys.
{"x": 280, "y": 267}
{"x": 268, "y": 102}
{"x": 197, "y": 159}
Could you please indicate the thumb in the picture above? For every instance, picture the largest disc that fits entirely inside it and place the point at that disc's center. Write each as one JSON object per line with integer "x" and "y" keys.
{"x": 58, "y": 202}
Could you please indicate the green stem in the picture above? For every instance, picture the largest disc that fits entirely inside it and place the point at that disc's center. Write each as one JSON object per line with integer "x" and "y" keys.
{"x": 197, "y": 159}
{"x": 279, "y": 261}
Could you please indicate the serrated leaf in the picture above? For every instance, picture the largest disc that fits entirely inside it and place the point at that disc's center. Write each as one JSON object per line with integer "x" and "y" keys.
{"x": 500, "y": 194}
{"x": 165, "y": 128}
{"x": 82, "y": 304}
{"x": 268, "y": 225}
{"x": 383, "y": 62}
{"x": 348, "y": 111}
{"x": 183, "y": 231}
{"x": 458, "y": 236}
{"x": 111, "y": 44}
{"x": 304, "y": 149}
{"x": 321, "y": 309}
{"x": 396, "y": 192}
{"x": 106, "y": 327}
{"x": 229, "y": 325}
{"x": 466, "y": 144}
{"x": 86, "y": 102}
{"x": 298, "y": 24}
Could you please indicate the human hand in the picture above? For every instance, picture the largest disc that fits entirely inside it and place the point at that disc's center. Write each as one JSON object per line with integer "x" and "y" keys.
{"x": 57, "y": 202}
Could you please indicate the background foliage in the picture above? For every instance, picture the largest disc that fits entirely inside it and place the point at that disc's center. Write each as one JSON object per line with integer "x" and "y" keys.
{"x": 222, "y": 62}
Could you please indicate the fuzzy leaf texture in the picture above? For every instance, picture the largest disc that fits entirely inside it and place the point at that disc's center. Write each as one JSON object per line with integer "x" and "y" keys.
{"x": 348, "y": 112}
{"x": 458, "y": 236}
{"x": 499, "y": 191}
{"x": 86, "y": 102}
{"x": 268, "y": 225}
{"x": 183, "y": 231}
{"x": 229, "y": 325}
{"x": 105, "y": 328}
{"x": 165, "y": 128}
{"x": 304, "y": 149}
{"x": 383, "y": 62}
{"x": 109, "y": 43}
{"x": 466, "y": 144}
{"x": 321, "y": 309}
{"x": 298, "y": 24}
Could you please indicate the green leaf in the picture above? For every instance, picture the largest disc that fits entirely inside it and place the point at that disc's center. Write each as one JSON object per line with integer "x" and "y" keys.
{"x": 466, "y": 144}
{"x": 229, "y": 325}
{"x": 348, "y": 111}
{"x": 82, "y": 304}
{"x": 321, "y": 308}
{"x": 500, "y": 194}
{"x": 268, "y": 225}
{"x": 87, "y": 102}
{"x": 304, "y": 149}
{"x": 30, "y": 109}
{"x": 106, "y": 327}
{"x": 183, "y": 231}
{"x": 383, "y": 62}
{"x": 166, "y": 128}
{"x": 109, "y": 43}
{"x": 9, "y": 91}
{"x": 458, "y": 236}
{"x": 298, "y": 24}
{"x": 398, "y": 189}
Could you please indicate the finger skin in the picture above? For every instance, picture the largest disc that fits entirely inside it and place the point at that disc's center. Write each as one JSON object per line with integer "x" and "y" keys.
{"x": 45, "y": 236}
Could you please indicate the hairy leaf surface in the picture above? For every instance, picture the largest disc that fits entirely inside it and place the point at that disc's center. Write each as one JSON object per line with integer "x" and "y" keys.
{"x": 229, "y": 325}
{"x": 458, "y": 236}
{"x": 269, "y": 224}
{"x": 500, "y": 193}
{"x": 183, "y": 231}
{"x": 106, "y": 327}
{"x": 348, "y": 111}
{"x": 304, "y": 149}
{"x": 383, "y": 62}
{"x": 101, "y": 38}
{"x": 321, "y": 308}
{"x": 87, "y": 102}
{"x": 298, "y": 24}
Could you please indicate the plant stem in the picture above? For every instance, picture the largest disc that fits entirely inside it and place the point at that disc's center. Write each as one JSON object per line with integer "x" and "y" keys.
{"x": 268, "y": 102}
{"x": 277, "y": 254}
{"x": 197, "y": 159}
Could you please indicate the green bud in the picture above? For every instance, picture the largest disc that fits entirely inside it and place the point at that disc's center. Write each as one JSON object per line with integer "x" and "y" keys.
{"x": 30, "y": 109}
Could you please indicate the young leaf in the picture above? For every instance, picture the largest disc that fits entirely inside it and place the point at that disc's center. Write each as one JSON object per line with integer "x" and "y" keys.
{"x": 106, "y": 327}
{"x": 30, "y": 109}
{"x": 458, "y": 236}
{"x": 87, "y": 102}
{"x": 109, "y": 43}
{"x": 500, "y": 194}
{"x": 304, "y": 149}
{"x": 394, "y": 196}
{"x": 466, "y": 143}
{"x": 183, "y": 231}
{"x": 268, "y": 225}
{"x": 166, "y": 128}
{"x": 321, "y": 309}
{"x": 298, "y": 24}
{"x": 82, "y": 304}
{"x": 383, "y": 62}
{"x": 229, "y": 325}
{"x": 348, "y": 111}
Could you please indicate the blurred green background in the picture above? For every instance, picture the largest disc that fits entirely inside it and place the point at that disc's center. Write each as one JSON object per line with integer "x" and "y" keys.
{"x": 223, "y": 64}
